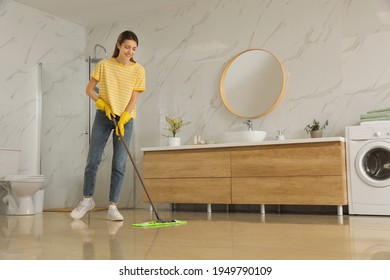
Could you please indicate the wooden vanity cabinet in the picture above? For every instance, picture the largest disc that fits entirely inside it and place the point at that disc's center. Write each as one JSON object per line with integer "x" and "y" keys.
{"x": 311, "y": 173}
{"x": 188, "y": 176}
{"x": 301, "y": 174}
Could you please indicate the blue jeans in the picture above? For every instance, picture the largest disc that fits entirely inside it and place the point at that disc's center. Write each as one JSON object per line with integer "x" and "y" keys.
{"x": 101, "y": 130}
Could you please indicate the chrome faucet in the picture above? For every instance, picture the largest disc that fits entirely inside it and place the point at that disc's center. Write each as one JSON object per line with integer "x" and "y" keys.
{"x": 249, "y": 124}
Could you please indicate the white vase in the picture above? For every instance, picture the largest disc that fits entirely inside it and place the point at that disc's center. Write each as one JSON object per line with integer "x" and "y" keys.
{"x": 316, "y": 134}
{"x": 174, "y": 141}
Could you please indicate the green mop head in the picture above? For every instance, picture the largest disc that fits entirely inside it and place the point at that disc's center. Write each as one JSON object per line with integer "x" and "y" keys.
{"x": 160, "y": 224}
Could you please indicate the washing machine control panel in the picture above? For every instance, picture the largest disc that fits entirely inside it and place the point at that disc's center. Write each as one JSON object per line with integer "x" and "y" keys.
{"x": 367, "y": 132}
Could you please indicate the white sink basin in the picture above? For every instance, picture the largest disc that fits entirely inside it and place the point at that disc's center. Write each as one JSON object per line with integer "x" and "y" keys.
{"x": 243, "y": 136}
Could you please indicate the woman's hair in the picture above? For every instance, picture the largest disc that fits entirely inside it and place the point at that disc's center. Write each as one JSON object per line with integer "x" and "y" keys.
{"x": 125, "y": 35}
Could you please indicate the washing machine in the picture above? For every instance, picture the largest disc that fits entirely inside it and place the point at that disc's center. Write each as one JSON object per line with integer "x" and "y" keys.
{"x": 368, "y": 169}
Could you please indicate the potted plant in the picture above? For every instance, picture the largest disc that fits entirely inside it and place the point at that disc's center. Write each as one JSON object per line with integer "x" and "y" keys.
{"x": 175, "y": 125}
{"x": 315, "y": 128}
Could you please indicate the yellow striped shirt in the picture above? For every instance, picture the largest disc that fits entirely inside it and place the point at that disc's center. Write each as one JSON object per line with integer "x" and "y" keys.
{"x": 117, "y": 83}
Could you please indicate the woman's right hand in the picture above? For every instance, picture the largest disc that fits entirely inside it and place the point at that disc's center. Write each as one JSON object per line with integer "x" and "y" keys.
{"x": 101, "y": 105}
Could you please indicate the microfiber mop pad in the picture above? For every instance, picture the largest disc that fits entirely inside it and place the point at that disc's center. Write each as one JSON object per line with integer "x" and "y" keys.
{"x": 160, "y": 224}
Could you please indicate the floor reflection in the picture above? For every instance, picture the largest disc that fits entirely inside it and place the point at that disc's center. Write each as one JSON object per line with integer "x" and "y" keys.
{"x": 369, "y": 237}
{"x": 21, "y": 237}
{"x": 207, "y": 236}
{"x": 87, "y": 235}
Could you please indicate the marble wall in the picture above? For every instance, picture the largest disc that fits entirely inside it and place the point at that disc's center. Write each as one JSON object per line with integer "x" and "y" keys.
{"x": 29, "y": 37}
{"x": 335, "y": 55}
{"x": 185, "y": 49}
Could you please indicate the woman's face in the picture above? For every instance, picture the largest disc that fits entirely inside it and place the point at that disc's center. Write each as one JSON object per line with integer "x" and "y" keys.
{"x": 127, "y": 49}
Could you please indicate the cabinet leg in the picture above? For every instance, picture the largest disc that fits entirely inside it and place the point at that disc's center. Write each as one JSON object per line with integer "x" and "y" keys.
{"x": 208, "y": 208}
{"x": 262, "y": 208}
{"x": 339, "y": 210}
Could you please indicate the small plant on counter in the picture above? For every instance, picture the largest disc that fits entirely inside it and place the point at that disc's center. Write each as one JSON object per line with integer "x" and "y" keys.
{"x": 315, "y": 126}
{"x": 175, "y": 125}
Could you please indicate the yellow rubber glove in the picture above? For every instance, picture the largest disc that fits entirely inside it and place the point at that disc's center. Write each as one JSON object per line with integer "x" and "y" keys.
{"x": 120, "y": 128}
{"x": 101, "y": 105}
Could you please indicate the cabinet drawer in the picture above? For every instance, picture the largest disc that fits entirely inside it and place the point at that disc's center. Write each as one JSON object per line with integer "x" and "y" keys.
{"x": 289, "y": 160}
{"x": 303, "y": 190}
{"x": 195, "y": 190}
{"x": 186, "y": 164}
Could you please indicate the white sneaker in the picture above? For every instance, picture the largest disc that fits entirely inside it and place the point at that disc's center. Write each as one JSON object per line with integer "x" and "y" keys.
{"x": 86, "y": 205}
{"x": 113, "y": 214}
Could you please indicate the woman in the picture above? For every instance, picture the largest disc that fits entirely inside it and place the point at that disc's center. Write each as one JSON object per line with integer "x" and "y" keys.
{"x": 121, "y": 81}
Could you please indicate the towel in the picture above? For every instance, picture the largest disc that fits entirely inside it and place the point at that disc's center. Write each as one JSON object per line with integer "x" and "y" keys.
{"x": 379, "y": 110}
{"x": 375, "y": 123}
{"x": 376, "y": 116}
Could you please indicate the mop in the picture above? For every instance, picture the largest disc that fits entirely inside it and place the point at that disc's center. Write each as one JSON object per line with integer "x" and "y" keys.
{"x": 159, "y": 222}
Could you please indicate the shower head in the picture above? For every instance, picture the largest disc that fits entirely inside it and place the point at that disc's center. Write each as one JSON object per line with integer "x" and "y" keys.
{"x": 98, "y": 45}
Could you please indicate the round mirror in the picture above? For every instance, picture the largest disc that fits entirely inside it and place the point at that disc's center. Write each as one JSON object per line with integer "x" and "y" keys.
{"x": 252, "y": 83}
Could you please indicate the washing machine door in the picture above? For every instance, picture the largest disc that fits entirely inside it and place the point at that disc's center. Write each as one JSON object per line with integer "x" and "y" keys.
{"x": 372, "y": 164}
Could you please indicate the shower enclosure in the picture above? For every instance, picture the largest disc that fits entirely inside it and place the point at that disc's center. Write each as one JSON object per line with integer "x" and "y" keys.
{"x": 67, "y": 119}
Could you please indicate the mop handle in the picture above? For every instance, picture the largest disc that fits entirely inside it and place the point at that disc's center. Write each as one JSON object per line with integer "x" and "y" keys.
{"x": 136, "y": 171}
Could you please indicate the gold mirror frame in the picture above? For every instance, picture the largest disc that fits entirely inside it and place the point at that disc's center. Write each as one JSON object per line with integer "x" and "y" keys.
{"x": 261, "y": 75}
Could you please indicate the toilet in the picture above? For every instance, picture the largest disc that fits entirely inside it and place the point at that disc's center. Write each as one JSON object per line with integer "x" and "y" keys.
{"x": 20, "y": 188}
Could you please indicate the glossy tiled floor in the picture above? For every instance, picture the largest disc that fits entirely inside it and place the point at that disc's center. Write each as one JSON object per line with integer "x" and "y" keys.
{"x": 233, "y": 236}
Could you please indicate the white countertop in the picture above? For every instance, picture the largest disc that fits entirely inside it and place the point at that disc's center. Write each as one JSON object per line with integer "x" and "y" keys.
{"x": 231, "y": 145}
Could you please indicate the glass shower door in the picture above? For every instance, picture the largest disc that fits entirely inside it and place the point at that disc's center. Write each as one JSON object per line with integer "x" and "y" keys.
{"x": 64, "y": 142}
